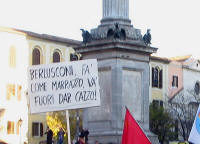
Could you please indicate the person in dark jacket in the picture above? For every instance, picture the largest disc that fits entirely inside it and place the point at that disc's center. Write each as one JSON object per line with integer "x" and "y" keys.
{"x": 49, "y": 133}
{"x": 61, "y": 136}
{"x": 81, "y": 139}
{"x": 86, "y": 133}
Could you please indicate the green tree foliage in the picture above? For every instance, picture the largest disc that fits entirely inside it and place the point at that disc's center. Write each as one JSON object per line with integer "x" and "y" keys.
{"x": 55, "y": 120}
{"x": 161, "y": 123}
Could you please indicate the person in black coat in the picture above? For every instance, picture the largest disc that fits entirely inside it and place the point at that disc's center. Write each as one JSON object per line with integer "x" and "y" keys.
{"x": 49, "y": 133}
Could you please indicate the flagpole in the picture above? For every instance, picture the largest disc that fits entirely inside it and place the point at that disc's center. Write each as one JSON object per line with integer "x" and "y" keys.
{"x": 68, "y": 127}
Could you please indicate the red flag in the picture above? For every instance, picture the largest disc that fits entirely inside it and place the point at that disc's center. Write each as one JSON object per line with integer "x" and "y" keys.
{"x": 132, "y": 133}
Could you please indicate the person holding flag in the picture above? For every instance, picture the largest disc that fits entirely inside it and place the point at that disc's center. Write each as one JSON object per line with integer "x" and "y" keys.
{"x": 194, "y": 136}
{"x": 132, "y": 133}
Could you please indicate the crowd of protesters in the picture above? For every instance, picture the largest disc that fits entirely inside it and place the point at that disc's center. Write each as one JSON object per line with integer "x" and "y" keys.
{"x": 82, "y": 137}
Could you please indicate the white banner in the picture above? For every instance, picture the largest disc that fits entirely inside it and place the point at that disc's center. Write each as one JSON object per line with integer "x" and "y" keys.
{"x": 62, "y": 86}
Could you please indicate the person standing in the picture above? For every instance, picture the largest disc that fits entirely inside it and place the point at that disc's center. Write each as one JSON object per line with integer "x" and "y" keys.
{"x": 49, "y": 133}
{"x": 81, "y": 139}
{"x": 86, "y": 133}
{"x": 61, "y": 136}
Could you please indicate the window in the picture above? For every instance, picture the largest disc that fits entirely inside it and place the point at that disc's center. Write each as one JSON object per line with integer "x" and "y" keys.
{"x": 19, "y": 92}
{"x": 156, "y": 77}
{"x": 176, "y": 129}
{"x": 193, "y": 107}
{"x": 175, "y": 81}
{"x": 56, "y": 57}
{"x": 37, "y": 129}
{"x": 196, "y": 88}
{"x": 10, "y": 91}
{"x": 157, "y": 103}
{"x": 160, "y": 79}
{"x": 10, "y": 127}
{"x": 12, "y": 57}
{"x": 36, "y": 56}
{"x": 18, "y": 128}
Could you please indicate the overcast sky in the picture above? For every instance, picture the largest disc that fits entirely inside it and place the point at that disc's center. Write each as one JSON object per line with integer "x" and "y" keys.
{"x": 174, "y": 24}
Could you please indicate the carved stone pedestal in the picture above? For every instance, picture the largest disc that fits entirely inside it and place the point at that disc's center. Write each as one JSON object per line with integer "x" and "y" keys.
{"x": 123, "y": 68}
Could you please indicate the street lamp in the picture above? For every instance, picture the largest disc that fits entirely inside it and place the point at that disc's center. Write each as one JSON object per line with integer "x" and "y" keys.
{"x": 20, "y": 133}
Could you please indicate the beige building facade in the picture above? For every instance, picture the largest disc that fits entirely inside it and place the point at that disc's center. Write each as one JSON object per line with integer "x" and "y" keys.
{"x": 21, "y": 49}
{"x": 158, "y": 79}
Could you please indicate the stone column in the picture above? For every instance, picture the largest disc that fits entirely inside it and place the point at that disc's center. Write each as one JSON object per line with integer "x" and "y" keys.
{"x": 116, "y": 9}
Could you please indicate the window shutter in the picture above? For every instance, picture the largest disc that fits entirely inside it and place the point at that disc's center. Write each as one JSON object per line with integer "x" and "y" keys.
{"x": 35, "y": 129}
{"x": 32, "y": 129}
{"x": 176, "y": 129}
{"x": 196, "y": 88}
{"x": 152, "y": 77}
{"x": 173, "y": 80}
{"x": 8, "y": 92}
{"x": 18, "y": 128}
{"x": 19, "y": 91}
{"x": 156, "y": 77}
{"x": 12, "y": 59}
{"x": 161, "y": 103}
{"x": 41, "y": 129}
{"x": 160, "y": 79}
